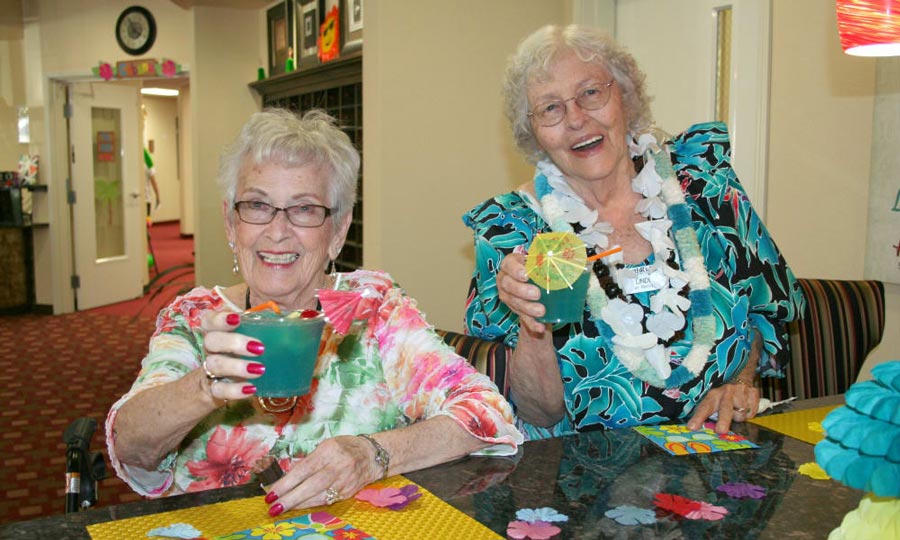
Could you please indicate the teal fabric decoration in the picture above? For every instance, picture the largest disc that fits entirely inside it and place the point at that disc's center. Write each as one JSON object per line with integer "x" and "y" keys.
{"x": 862, "y": 443}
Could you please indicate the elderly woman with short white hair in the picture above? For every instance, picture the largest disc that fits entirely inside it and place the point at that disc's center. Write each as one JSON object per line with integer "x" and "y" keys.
{"x": 387, "y": 397}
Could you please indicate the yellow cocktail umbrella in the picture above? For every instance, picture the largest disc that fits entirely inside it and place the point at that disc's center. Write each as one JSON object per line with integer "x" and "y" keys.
{"x": 555, "y": 260}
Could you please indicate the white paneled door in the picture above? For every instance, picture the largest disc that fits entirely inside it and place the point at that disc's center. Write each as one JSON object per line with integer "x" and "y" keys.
{"x": 108, "y": 219}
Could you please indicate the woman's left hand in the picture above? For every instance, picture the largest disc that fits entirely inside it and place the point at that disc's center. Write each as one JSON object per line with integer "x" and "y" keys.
{"x": 344, "y": 464}
{"x": 735, "y": 401}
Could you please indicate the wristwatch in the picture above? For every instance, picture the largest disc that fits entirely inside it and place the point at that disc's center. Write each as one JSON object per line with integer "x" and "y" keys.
{"x": 382, "y": 458}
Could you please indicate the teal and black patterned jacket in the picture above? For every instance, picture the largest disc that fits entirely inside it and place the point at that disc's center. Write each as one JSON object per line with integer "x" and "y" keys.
{"x": 752, "y": 288}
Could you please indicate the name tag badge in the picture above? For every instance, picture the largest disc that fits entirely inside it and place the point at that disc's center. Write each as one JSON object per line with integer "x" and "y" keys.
{"x": 641, "y": 279}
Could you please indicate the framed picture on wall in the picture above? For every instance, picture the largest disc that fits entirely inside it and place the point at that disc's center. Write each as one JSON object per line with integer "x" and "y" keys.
{"x": 353, "y": 24}
{"x": 308, "y": 20}
{"x": 281, "y": 37}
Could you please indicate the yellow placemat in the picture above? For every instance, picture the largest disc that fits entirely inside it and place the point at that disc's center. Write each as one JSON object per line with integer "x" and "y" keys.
{"x": 805, "y": 425}
{"x": 427, "y": 517}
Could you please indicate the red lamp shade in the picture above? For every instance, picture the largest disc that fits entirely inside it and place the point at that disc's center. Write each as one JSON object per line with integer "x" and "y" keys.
{"x": 869, "y": 27}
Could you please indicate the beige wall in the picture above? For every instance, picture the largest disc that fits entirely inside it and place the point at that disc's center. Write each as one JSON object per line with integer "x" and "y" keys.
{"x": 226, "y": 55}
{"x": 436, "y": 142}
{"x": 885, "y": 167}
{"x": 12, "y": 83}
{"x": 76, "y": 34}
{"x": 819, "y": 152}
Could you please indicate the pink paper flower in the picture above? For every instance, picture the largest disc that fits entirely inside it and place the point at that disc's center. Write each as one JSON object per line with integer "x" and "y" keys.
{"x": 169, "y": 68}
{"x": 390, "y": 497}
{"x": 106, "y": 71}
{"x": 535, "y": 530}
{"x": 708, "y": 512}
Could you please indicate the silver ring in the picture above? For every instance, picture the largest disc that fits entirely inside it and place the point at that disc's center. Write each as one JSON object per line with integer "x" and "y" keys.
{"x": 331, "y": 496}
{"x": 741, "y": 409}
{"x": 209, "y": 374}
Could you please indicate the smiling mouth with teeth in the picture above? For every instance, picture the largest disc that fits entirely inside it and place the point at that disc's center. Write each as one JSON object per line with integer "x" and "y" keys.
{"x": 588, "y": 143}
{"x": 281, "y": 258}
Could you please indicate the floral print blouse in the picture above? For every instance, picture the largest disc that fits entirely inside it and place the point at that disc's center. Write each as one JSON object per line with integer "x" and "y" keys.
{"x": 387, "y": 372}
{"x": 751, "y": 285}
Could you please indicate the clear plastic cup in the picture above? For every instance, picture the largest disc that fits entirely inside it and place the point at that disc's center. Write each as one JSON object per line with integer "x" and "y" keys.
{"x": 291, "y": 350}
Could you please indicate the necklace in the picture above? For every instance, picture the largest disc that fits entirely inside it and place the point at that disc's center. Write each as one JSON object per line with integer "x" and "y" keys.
{"x": 274, "y": 405}
{"x": 637, "y": 338}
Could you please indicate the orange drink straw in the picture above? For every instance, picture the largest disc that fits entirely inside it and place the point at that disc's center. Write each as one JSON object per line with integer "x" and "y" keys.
{"x": 265, "y": 305}
{"x": 606, "y": 253}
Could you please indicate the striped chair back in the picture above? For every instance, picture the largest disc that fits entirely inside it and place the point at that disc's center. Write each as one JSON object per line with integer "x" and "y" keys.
{"x": 829, "y": 343}
{"x": 488, "y": 357}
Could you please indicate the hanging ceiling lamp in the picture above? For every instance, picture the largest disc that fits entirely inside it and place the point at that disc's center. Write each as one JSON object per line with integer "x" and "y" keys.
{"x": 869, "y": 27}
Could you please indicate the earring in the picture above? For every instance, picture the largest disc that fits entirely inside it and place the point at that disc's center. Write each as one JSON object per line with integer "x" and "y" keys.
{"x": 234, "y": 267}
{"x": 330, "y": 269}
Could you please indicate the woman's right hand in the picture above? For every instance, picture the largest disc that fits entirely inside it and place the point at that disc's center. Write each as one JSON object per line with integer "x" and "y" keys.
{"x": 518, "y": 294}
{"x": 227, "y": 376}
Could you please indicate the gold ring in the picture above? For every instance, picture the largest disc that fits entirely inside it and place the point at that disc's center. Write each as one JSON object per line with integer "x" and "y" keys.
{"x": 741, "y": 409}
{"x": 209, "y": 374}
{"x": 331, "y": 496}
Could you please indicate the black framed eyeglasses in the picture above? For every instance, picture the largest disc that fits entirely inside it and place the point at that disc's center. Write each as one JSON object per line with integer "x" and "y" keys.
{"x": 591, "y": 98}
{"x": 300, "y": 215}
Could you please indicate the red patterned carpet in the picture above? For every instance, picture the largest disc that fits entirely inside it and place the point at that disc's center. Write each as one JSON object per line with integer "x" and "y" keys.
{"x": 54, "y": 369}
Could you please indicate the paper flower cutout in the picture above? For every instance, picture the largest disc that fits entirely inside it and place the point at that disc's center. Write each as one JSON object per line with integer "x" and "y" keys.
{"x": 631, "y": 515}
{"x": 676, "y": 504}
{"x": 742, "y": 490}
{"x": 812, "y": 470}
{"x": 175, "y": 530}
{"x": 105, "y": 71}
{"x": 390, "y": 497}
{"x": 540, "y": 514}
{"x": 169, "y": 68}
{"x": 707, "y": 511}
{"x": 535, "y": 530}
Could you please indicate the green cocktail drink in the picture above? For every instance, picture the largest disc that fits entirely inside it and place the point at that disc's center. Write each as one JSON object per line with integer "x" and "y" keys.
{"x": 291, "y": 350}
{"x": 565, "y": 304}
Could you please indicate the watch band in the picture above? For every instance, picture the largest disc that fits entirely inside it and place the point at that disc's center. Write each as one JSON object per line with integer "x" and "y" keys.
{"x": 382, "y": 458}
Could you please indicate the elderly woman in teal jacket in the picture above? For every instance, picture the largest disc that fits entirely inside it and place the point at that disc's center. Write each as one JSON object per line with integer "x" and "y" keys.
{"x": 680, "y": 323}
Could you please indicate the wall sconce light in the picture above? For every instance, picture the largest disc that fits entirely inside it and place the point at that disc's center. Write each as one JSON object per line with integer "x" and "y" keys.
{"x": 869, "y": 27}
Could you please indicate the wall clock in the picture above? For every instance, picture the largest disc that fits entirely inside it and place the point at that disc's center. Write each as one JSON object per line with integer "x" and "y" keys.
{"x": 136, "y": 30}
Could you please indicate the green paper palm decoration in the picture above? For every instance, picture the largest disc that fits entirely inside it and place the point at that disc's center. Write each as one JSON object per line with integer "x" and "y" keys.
{"x": 107, "y": 191}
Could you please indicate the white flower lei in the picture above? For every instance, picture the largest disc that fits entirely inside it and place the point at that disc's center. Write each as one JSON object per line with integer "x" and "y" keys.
{"x": 644, "y": 353}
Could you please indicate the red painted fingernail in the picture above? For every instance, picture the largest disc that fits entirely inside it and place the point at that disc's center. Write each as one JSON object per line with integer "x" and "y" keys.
{"x": 276, "y": 509}
{"x": 249, "y": 389}
{"x": 256, "y": 368}
{"x": 233, "y": 319}
{"x": 271, "y": 497}
{"x": 255, "y": 347}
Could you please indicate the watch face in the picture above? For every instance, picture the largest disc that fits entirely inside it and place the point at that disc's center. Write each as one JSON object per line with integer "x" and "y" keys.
{"x": 136, "y": 30}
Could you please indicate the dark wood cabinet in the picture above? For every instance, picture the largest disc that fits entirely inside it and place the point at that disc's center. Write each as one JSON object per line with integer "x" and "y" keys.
{"x": 335, "y": 87}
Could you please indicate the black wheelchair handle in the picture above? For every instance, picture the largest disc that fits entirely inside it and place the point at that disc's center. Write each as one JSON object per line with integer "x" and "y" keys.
{"x": 79, "y": 433}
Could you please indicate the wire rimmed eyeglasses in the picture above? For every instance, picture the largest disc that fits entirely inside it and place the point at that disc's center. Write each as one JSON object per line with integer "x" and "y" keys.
{"x": 591, "y": 98}
{"x": 300, "y": 215}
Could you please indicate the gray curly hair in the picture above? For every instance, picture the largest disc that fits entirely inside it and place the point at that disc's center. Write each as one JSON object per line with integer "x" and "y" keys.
{"x": 282, "y": 137}
{"x": 536, "y": 54}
